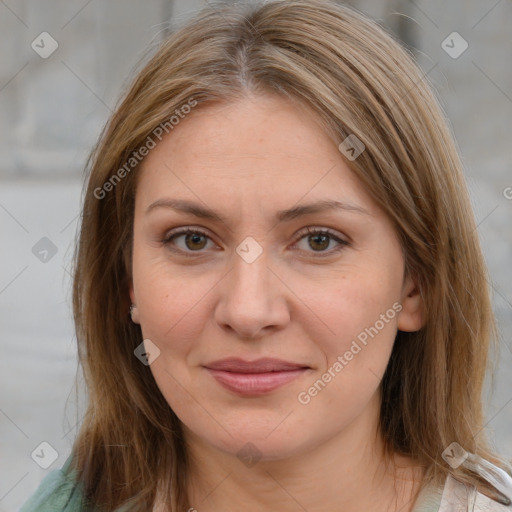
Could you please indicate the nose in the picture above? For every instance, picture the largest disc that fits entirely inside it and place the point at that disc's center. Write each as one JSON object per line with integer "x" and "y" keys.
{"x": 253, "y": 299}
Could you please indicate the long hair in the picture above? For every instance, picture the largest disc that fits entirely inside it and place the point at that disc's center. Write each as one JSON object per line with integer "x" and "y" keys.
{"x": 359, "y": 81}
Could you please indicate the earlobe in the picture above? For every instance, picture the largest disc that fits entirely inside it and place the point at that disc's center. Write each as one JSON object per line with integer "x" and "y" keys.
{"x": 134, "y": 312}
{"x": 411, "y": 317}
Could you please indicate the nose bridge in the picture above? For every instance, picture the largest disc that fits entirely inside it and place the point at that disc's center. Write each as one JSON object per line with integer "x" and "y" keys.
{"x": 250, "y": 299}
{"x": 250, "y": 279}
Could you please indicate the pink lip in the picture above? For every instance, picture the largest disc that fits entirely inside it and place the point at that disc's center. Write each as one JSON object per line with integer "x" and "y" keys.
{"x": 252, "y": 378}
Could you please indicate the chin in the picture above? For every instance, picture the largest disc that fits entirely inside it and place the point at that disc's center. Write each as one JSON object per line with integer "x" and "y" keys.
{"x": 264, "y": 443}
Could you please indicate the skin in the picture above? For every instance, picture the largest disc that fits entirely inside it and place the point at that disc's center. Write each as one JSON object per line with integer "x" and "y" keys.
{"x": 248, "y": 159}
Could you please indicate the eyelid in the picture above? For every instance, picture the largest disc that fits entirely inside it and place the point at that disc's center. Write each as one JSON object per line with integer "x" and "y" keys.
{"x": 184, "y": 230}
{"x": 314, "y": 230}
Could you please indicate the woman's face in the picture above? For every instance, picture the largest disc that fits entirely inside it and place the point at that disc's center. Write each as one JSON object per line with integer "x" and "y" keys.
{"x": 254, "y": 284}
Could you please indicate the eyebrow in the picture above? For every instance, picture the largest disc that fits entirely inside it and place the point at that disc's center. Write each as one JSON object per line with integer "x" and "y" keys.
{"x": 204, "y": 212}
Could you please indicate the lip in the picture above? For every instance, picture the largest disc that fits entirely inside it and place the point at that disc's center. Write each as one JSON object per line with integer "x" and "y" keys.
{"x": 253, "y": 378}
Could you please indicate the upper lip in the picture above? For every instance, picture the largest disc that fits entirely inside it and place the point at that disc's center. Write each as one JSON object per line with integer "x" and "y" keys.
{"x": 237, "y": 365}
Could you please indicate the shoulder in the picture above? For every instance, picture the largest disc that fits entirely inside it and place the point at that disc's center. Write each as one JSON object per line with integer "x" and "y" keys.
{"x": 58, "y": 492}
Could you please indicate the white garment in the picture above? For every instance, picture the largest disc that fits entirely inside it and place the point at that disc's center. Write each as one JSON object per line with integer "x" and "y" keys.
{"x": 458, "y": 497}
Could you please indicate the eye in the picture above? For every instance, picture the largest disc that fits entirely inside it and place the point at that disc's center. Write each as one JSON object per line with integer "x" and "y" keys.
{"x": 194, "y": 240}
{"x": 320, "y": 239}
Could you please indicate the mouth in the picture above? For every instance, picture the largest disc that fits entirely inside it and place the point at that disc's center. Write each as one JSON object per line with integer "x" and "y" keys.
{"x": 254, "y": 378}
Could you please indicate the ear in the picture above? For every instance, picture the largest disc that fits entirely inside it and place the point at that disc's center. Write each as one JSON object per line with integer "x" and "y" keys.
{"x": 411, "y": 317}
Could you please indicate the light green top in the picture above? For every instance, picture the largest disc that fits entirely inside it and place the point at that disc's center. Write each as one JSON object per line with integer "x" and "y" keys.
{"x": 59, "y": 492}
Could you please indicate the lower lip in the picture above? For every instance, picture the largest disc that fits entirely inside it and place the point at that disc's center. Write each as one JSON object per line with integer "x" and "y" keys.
{"x": 253, "y": 384}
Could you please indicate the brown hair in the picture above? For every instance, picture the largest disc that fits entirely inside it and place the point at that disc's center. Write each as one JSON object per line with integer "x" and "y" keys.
{"x": 358, "y": 80}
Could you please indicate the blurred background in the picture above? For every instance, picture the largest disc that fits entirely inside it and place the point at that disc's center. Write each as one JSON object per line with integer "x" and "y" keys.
{"x": 63, "y": 66}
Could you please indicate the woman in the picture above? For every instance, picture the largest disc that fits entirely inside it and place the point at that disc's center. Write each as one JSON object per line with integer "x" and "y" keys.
{"x": 279, "y": 205}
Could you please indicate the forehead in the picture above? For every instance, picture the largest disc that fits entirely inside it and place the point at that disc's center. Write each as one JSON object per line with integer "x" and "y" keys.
{"x": 254, "y": 151}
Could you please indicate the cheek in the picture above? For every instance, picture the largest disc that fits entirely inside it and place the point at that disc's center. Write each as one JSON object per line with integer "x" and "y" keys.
{"x": 171, "y": 315}
{"x": 361, "y": 314}
{"x": 174, "y": 306}
{"x": 360, "y": 305}
{"x": 156, "y": 288}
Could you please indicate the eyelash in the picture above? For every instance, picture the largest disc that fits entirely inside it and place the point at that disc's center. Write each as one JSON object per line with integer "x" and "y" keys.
{"x": 309, "y": 231}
